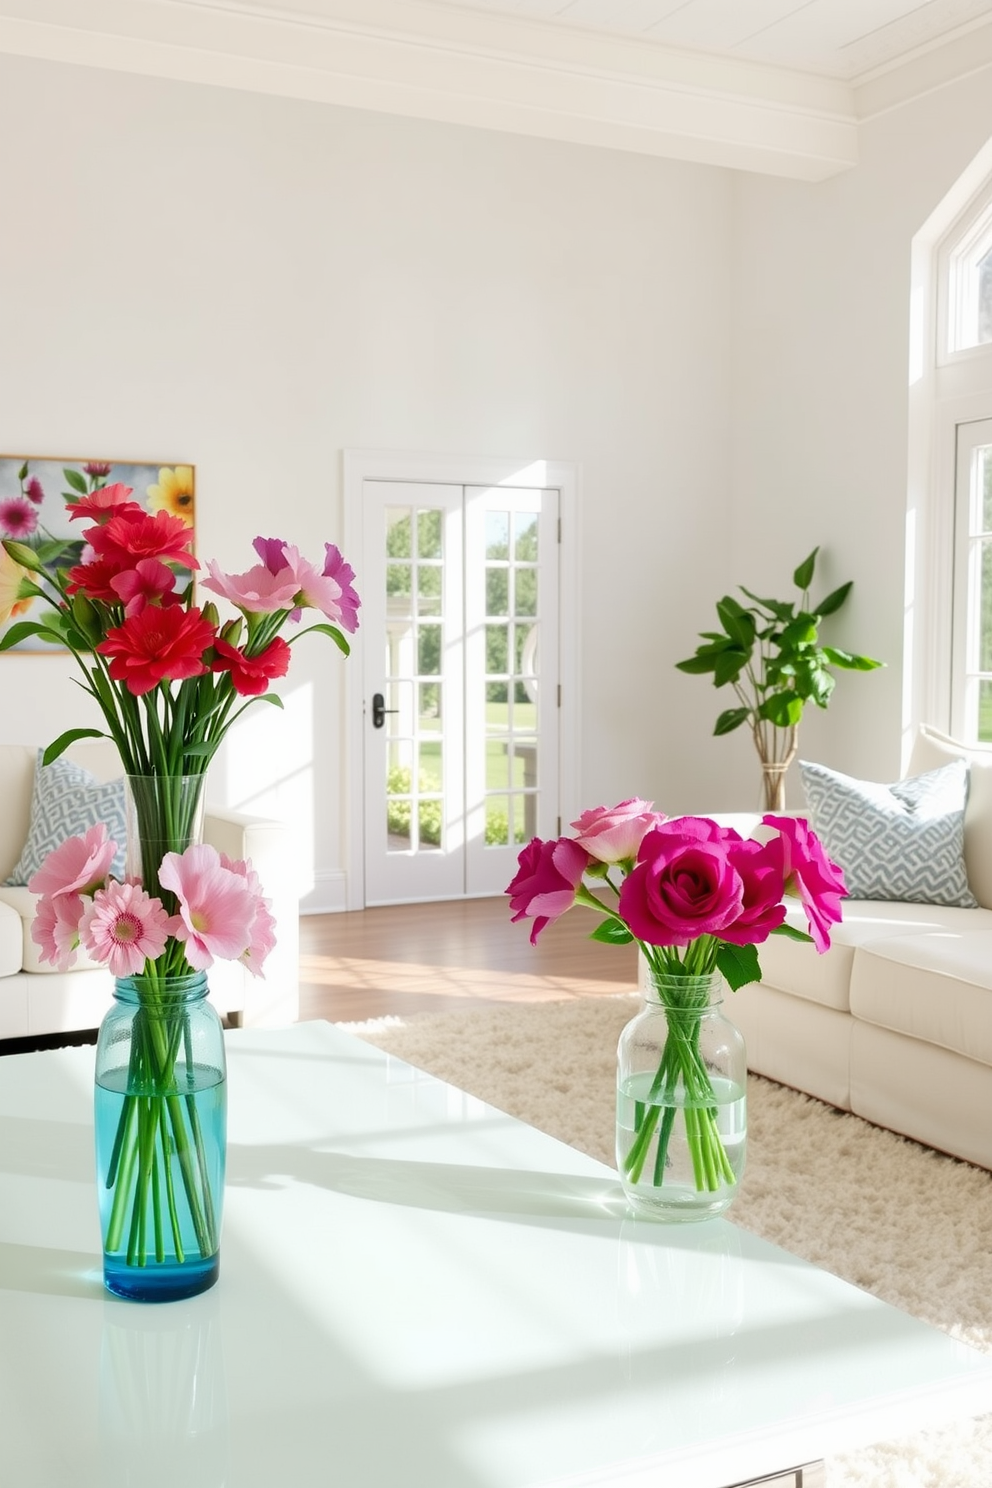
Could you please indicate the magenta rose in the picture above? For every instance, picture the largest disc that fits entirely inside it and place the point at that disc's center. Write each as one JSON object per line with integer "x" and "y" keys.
{"x": 808, "y": 871}
{"x": 684, "y": 884}
{"x": 762, "y": 874}
{"x": 614, "y": 834}
{"x": 546, "y": 881}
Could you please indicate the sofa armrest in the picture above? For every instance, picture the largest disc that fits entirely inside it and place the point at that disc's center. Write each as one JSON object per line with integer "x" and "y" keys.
{"x": 273, "y": 1000}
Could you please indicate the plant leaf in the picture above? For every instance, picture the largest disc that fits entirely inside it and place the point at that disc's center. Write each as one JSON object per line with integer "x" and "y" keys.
{"x": 849, "y": 661}
{"x": 20, "y": 632}
{"x": 731, "y": 719}
{"x": 777, "y": 607}
{"x": 612, "y": 932}
{"x": 61, "y": 744}
{"x": 74, "y": 479}
{"x": 803, "y": 576}
{"x": 791, "y": 933}
{"x": 737, "y": 622}
{"x": 729, "y": 665}
{"x": 738, "y": 964}
{"x": 834, "y": 600}
{"x": 784, "y": 709}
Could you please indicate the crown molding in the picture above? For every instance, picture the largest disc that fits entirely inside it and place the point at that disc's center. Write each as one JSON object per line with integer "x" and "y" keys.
{"x": 925, "y": 70}
{"x": 430, "y": 61}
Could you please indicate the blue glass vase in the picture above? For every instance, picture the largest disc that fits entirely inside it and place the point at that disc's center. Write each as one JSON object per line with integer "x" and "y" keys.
{"x": 161, "y": 1137}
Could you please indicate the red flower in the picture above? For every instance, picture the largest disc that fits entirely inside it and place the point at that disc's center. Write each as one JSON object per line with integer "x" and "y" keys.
{"x": 251, "y": 674}
{"x": 129, "y": 536}
{"x": 95, "y": 580}
{"x": 106, "y": 502}
{"x": 158, "y": 645}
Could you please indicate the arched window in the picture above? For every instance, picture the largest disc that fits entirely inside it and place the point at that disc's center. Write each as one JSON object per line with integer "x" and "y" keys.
{"x": 948, "y": 650}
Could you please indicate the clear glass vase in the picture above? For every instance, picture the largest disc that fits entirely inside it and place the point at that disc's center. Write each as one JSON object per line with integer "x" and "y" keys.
{"x": 164, "y": 814}
{"x": 161, "y": 1137}
{"x": 681, "y": 1101}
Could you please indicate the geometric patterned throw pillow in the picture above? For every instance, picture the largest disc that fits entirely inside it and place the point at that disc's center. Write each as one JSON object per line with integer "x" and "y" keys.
{"x": 66, "y": 801}
{"x": 902, "y": 841}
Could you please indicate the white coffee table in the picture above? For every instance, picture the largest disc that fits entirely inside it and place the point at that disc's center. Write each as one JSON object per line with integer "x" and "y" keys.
{"x": 418, "y": 1290}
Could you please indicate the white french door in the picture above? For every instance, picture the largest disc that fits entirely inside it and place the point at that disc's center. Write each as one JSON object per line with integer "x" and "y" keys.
{"x": 460, "y": 591}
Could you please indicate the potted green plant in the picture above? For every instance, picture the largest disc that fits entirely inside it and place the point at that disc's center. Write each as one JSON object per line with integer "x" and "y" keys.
{"x": 769, "y": 652}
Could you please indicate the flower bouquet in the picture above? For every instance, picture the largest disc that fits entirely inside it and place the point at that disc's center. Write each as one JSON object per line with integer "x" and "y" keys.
{"x": 697, "y": 899}
{"x": 170, "y": 678}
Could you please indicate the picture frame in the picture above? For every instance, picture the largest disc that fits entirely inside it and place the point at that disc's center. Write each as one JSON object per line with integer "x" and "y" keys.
{"x": 35, "y": 491}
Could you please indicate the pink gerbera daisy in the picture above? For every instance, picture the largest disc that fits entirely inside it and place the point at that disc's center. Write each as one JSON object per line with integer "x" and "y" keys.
{"x": 55, "y": 928}
{"x": 124, "y": 927}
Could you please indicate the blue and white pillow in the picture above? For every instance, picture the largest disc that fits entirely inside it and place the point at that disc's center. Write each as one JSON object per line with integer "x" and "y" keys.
{"x": 65, "y": 802}
{"x": 902, "y": 841}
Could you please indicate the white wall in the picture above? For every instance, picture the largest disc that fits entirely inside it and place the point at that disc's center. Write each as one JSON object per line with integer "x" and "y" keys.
{"x": 253, "y": 284}
{"x": 821, "y": 393}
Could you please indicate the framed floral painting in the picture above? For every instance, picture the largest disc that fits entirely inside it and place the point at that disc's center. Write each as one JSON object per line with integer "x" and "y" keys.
{"x": 34, "y": 494}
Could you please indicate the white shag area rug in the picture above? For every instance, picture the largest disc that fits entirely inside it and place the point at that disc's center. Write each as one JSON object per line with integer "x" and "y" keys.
{"x": 909, "y": 1225}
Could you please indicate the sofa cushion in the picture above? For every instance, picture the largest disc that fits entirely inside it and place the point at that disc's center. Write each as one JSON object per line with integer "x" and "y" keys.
{"x": 932, "y": 749}
{"x": 903, "y": 841}
{"x": 11, "y": 941}
{"x": 791, "y": 966}
{"x": 935, "y": 987}
{"x": 66, "y": 800}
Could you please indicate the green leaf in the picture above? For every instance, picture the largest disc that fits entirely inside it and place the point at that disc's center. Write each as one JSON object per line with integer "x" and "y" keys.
{"x": 799, "y": 632}
{"x": 52, "y": 549}
{"x": 22, "y": 474}
{"x": 738, "y": 964}
{"x": 849, "y": 661}
{"x": 731, "y": 719}
{"x": 791, "y": 933}
{"x": 612, "y": 932}
{"x": 62, "y": 743}
{"x": 784, "y": 709}
{"x": 729, "y": 666}
{"x": 703, "y": 661}
{"x": 803, "y": 576}
{"x": 75, "y": 479}
{"x": 776, "y": 607}
{"x": 328, "y": 630}
{"x": 737, "y": 622}
{"x": 20, "y": 632}
{"x": 23, "y": 554}
{"x": 835, "y": 600}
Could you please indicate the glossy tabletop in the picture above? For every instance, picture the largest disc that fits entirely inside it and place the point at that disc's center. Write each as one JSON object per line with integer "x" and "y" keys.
{"x": 417, "y": 1289}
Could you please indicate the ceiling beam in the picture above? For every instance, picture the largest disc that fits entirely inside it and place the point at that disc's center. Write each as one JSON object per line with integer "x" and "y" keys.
{"x": 458, "y": 67}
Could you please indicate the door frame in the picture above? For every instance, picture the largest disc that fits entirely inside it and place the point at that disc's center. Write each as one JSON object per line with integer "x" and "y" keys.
{"x": 360, "y": 465}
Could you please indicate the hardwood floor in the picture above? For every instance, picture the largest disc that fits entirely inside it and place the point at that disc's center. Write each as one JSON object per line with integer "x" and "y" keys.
{"x": 411, "y": 958}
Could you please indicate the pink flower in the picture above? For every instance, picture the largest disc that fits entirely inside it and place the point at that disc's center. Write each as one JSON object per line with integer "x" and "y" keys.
{"x": 262, "y": 937}
{"x": 77, "y": 866}
{"x": 97, "y": 468}
{"x": 258, "y": 591}
{"x": 808, "y": 872}
{"x": 55, "y": 928}
{"x": 216, "y": 905}
{"x": 342, "y": 573}
{"x": 684, "y": 884}
{"x": 613, "y": 834}
{"x": 18, "y": 517}
{"x": 272, "y": 551}
{"x": 150, "y": 581}
{"x": 759, "y": 866}
{"x": 546, "y": 881}
{"x": 314, "y": 590}
{"x": 35, "y": 491}
{"x": 124, "y": 927}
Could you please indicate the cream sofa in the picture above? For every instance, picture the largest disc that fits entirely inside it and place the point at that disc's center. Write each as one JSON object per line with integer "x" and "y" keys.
{"x": 36, "y": 1000}
{"x": 894, "y": 1022}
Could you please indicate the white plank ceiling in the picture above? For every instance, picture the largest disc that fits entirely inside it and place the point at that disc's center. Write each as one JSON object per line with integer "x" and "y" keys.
{"x": 834, "y": 38}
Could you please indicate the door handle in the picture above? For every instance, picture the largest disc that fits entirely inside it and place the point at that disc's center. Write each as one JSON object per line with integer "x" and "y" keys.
{"x": 379, "y": 710}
